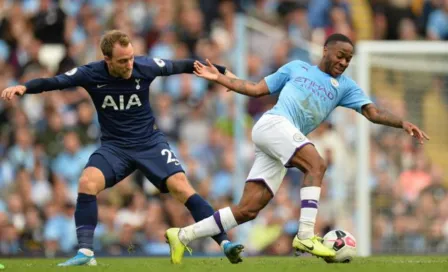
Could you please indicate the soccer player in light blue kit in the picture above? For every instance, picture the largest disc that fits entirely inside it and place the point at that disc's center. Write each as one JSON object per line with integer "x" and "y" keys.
{"x": 308, "y": 94}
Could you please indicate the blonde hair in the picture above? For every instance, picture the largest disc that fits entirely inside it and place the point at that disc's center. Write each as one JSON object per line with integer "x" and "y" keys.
{"x": 110, "y": 38}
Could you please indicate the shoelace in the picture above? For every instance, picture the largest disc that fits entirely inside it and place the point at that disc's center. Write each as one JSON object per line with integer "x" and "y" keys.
{"x": 189, "y": 250}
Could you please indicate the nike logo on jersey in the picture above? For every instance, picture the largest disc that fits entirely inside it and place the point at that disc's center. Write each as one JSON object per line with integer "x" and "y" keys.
{"x": 100, "y": 86}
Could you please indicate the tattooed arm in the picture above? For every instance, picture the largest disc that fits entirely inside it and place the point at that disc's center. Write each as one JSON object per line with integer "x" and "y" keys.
{"x": 381, "y": 116}
{"x": 384, "y": 117}
{"x": 245, "y": 87}
{"x": 230, "y": 81}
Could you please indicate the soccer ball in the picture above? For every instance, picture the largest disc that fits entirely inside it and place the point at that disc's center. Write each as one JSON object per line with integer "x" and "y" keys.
{"x": 343, "y": 243}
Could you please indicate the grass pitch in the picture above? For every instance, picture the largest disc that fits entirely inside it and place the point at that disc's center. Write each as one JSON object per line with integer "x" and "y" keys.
{"x": 256, "y": 264}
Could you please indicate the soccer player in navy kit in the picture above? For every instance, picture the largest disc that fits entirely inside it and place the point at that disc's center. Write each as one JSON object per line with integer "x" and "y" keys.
{"x": 119, "y": 88}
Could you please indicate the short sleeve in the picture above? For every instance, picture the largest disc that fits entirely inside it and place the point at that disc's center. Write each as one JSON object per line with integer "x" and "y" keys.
{"x": 353, "y": 98}
{"x": 277, "y": 80}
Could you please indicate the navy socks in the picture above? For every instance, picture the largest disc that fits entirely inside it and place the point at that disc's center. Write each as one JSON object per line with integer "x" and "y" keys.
{"x": 86, "y": 218}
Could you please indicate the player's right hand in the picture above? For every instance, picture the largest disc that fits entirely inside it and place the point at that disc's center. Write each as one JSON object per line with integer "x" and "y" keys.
{"x": 209, "y": 72}
{"x": 9, "y": 92}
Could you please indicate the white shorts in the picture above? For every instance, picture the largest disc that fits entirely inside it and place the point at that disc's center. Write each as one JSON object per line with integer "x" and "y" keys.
{"x": 276, "y": 141}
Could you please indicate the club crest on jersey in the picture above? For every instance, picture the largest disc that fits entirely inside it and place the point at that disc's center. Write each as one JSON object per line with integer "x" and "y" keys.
{"x": 298, "y": 137}
{"x": 137, "y": 81}
{"x": 121, "y": 105}
{"x": 334, "y": 82}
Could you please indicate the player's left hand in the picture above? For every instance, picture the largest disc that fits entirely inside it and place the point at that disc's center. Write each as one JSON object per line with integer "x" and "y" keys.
{"x": 414, "y": 131}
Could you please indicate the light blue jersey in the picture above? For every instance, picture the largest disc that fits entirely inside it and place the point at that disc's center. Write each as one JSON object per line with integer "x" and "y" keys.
{"x": 308, "y": 95}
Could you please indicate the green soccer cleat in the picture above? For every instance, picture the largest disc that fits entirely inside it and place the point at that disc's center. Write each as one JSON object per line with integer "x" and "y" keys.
{"x": 313, "y": 246}
{"x": 177, "y": 248}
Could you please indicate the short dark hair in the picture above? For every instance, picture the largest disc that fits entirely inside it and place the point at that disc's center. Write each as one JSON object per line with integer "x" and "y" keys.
{"x": 337, "y": 37}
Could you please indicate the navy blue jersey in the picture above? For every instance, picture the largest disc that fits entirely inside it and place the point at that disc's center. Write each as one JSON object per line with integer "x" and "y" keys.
{"x": 122, "y": 105}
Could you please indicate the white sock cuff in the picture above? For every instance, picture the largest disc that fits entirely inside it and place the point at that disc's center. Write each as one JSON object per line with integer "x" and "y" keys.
{"x": 86, "y": 251}
{"x": 227, "y": 219}
{"x": 310, "y": 193}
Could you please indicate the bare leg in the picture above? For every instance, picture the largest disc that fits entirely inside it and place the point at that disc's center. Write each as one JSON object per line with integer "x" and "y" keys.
{"x": 255, "y": 197}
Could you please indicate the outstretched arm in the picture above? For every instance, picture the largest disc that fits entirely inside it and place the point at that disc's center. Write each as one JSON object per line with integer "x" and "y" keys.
{"x": 242, "y": 86}
{"x": 381, "y": 116}
{"x": 384, "y": 117}
{"x": 72, "y": 78}
{"x": 230, "y": 81}
{"x": 183, "y": 66}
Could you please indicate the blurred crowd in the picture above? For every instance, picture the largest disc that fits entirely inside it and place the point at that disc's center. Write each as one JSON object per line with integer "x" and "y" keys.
{"x": 45, "y": 140}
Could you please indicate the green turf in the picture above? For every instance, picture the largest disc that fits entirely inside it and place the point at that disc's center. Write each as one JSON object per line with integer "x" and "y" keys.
{"x": 259, "y": 264}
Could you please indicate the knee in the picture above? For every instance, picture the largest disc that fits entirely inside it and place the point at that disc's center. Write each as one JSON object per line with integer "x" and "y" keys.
{"x": 318, "y": 168}
{"x": 88, "y": 185}
{"x": 179, "y": 187}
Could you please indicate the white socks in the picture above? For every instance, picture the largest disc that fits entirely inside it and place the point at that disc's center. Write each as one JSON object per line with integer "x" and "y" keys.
{"x": 223, "y": 220}
{"x": 308, "y": 213}
{"x": 220, "y": 221}
{"x": 86, "y": 252}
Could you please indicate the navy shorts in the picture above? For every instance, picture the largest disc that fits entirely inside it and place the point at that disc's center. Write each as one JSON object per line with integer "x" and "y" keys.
{"x": 157, "y": 163}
